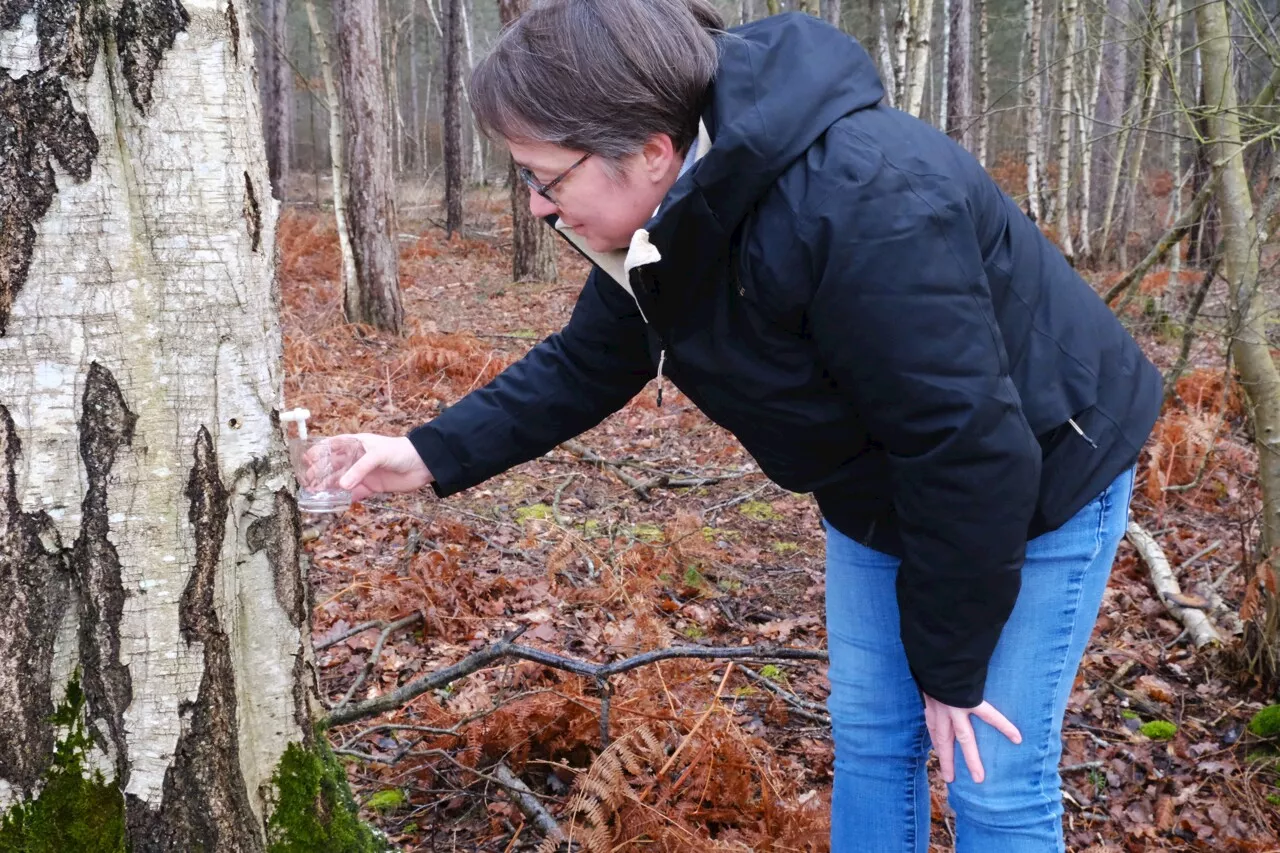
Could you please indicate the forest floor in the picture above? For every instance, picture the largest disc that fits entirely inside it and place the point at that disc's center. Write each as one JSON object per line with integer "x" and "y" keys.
{"x": 707, "y": 754}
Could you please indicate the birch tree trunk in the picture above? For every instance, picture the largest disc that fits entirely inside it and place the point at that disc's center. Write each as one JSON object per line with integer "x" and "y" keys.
{"x": 371, "y": 209}
{"x": 1066, "y": 94}
{"x": 1087, "y": 123}
{"x": 984, "y": 83}
{"x": 831, "y": 12}
{"x": 453, "y": 116}
{"x": 901, "y": 30}
{"x": 1241, "y": 262}
{"x": 886, "y": 53}
{"x": 155, "y": 663}
{"x": 1035, "y": 109}
{"x": 337, "y": 171}
{"x": 960, "y": 75}
{"x": 277, "y": 92}
{"x": 919, "y": 39}
{"x": 478, "y": 174}
{"x": 944, "y": 90}
{"x": 533, "y": 245}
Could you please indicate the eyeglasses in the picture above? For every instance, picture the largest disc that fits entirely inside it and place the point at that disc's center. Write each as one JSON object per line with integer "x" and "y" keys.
{"x": 542, "y": 189}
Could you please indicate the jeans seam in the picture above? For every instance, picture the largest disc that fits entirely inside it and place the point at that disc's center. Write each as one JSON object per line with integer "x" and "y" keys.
{"x": 1104, "y": 507}
{"x": 912, "y": 788}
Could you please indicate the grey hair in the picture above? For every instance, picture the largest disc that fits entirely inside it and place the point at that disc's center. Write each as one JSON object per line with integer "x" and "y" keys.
{"x": 599, "y": 76}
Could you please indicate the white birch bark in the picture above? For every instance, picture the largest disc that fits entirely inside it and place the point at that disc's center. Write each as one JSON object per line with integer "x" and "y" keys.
{"x": 918, "y": 69}
{"x": 1035, "y": 108}
{"x": 140, "y": 375}
{"x": 1066, "y": 94}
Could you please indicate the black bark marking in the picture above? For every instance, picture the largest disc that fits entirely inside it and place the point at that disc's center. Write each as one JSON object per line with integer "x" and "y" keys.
{"x": 106, "y": 426}
{"x": 234, "y": 23}
{"x": 145, "y": 29}
{"x": 279, "y": 535}
{"x": 35, "y": 588}
{"x": 252, "y": 213}
{"x": 38, "y": 125}
{"x": 205, "y": 804}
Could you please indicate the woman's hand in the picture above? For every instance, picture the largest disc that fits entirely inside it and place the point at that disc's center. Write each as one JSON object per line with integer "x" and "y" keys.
{"x": 948, "y": 725}
{"x": 389, "y": 464}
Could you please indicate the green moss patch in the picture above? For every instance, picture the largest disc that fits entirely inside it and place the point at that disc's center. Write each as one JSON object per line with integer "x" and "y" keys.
{"x": 77, "y": 809}
{"x": 314, "y": 808}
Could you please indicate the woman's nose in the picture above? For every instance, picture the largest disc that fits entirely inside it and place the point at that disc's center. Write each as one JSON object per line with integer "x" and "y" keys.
{"x": 540, "y": 206}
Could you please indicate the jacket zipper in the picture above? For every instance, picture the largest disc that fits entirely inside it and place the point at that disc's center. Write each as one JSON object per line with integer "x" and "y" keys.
{"x": 1075, "y": 426}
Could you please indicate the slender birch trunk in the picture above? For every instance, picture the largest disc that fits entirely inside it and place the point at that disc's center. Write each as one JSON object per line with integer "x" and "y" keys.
{"x": 1066, "y": 95}
{"x": 1035, "y": 112}
{"x": 337, "y": 171}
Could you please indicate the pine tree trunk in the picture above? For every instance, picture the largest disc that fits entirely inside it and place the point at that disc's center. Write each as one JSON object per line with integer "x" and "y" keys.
{"x": 371, "y": 210}
{"x": 154, "y": 625}
{"x": 417, "y": 155}
{"x": 1066, "y": 94}
{"x": 1241, "y": 263}
{"x": 984, "y": 83}
{"x": 960, "y": 75}
{"x": 277, "y": 92}
{"x": 337, "y": 170}
{"x": 533, "y": 245}
{"x": 453, "y": 185}
{"x": 1035, "y": 109}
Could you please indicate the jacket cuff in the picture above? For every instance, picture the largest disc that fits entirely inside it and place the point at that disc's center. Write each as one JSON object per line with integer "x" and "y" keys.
{"x": 447, "y": 474}
{"x": 963, "y": 692}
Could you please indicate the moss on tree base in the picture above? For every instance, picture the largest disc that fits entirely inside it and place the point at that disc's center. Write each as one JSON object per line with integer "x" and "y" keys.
{"x": 76, "y": 810}
{"x": 314, "y": 809}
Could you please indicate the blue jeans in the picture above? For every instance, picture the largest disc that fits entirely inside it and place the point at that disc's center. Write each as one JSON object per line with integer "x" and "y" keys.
{"x": 880, "y": 801}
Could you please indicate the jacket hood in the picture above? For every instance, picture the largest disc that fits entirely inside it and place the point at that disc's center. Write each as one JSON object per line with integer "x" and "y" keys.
{"x": 781, "y": 82}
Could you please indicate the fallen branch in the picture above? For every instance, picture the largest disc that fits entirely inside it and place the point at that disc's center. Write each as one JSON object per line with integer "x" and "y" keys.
{"x": 411, "y": 619}
{"x": 586, "y": 454}
{"x": 1202, "y": 631}
{"x": 527, "y": 802}
{"x": 509, "y": 649}
{"x": 811, "y": 711}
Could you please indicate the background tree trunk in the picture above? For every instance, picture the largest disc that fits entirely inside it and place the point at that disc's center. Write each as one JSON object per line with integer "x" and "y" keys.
{"x": 277, "y": 91}
{"x": 371, "y": 208}
{"x": 533, "y": 245}
{"x": 1241, "y": 263}
{"x": 831, "y": 12}
{"x": 1066, "y": 95}
{"x": 150, "y": 586}
{"x": 920, "y": 39}
{"x": 960, "y": 75}
{"x": 453, "y": 185}
{"x": 1035, "y": 109}
{"x": 984, "y": 83}
{"x": 337, "y": 172}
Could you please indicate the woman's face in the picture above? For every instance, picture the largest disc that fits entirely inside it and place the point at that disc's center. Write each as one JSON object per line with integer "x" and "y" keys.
{"x": 603, "y": 204}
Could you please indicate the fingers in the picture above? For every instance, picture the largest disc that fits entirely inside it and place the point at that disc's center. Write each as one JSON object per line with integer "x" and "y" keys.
{"x": 997, "y": 721}
{"x": 943, "y": 736}
{"x": 361, "y": 469}
{"x": 968, "y": 747}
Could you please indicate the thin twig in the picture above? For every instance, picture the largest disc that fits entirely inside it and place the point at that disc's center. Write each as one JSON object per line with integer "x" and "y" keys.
{"x": 1084, "y": 765}
{"x": 506, "y": 648}
{"x": 1203, "y": 632}
{"x": 349, "y": 633}
{"x": 411, "y": 619}
{"x": 799, "y": 704}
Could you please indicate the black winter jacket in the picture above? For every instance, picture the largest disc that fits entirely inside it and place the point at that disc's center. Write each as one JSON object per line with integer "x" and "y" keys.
{"x": 848, "y": 292}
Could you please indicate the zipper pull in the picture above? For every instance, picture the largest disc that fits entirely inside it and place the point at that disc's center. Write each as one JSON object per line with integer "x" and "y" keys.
{"x": 662, "y": 358}
{"x": 1076, "y": 427}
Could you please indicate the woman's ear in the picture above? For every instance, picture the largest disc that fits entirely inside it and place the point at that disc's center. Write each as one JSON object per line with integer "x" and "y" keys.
{"x": 657, "y": 157}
